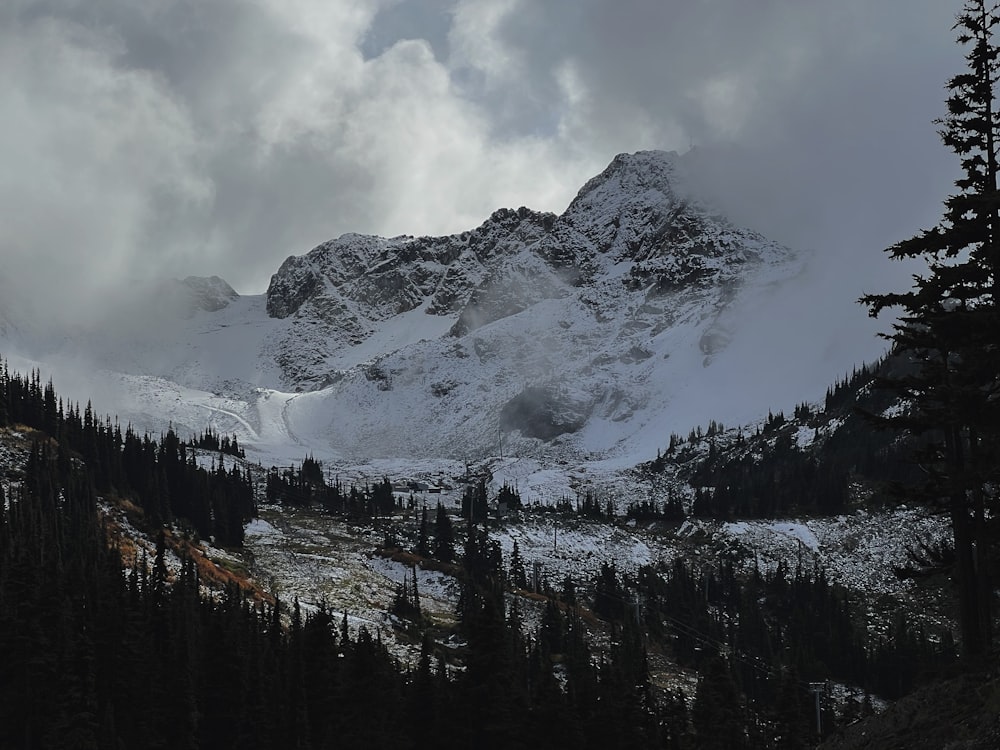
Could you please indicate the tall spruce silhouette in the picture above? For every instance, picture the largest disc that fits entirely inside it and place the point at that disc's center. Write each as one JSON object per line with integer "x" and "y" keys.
{"x": 949, "y": 325}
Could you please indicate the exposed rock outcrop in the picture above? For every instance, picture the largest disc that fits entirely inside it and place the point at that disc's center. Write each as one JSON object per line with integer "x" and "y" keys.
{"x": 632, "y": 230}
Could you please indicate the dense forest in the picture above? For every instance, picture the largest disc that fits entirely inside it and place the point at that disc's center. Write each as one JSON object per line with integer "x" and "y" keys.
{"x": 103, "y": 653}
{"x": 770, "y": 473}
{"x": 98, "y": 654}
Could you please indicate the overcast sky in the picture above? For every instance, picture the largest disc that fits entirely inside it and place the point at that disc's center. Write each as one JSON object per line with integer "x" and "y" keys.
{"x": 179, "y": 137}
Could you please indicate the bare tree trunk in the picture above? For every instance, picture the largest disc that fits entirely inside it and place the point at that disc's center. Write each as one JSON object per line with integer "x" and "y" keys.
{"x": 969, "y": 606}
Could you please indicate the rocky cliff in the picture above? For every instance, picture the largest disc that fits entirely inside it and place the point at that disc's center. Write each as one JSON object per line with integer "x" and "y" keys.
{"x": 632, "y": 237}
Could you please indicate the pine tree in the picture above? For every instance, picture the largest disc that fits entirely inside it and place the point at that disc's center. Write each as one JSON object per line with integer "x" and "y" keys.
{"x": 717, "y": 713}
{"x": 475, "y": 504}
{"x": 950, "y": 327}
{"x": 444, "y": 536}
{"x": 510, "y": 497}
{"x": 4, "y": 415}
{"x": 791, "y": 711}
{"x": 492, "y": 696}
{"x": 518, "y": 578}
{"x": 423, "y": 547}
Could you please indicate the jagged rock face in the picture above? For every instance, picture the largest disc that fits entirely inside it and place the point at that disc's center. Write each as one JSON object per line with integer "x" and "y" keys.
{"x": 627, "y": 209}
{"x": 384, "y": 277}
{"x": 568, "y": 334}
{"x": 544, "y": 412}
{"x": 346, "y": 287}
{"x": 630, "y": 230}
{"x": 513, "y": 286}
{"x": 637, "y": 210}
{"x": 574, "y": 335}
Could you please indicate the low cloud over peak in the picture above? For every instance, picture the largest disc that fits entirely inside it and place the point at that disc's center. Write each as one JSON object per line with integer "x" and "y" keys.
{"x": 179, "y": 138}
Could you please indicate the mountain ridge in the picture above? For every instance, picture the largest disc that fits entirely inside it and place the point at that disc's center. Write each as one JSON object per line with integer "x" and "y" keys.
{"x": 585, "y": 335}
{"x": 634, "y": 213}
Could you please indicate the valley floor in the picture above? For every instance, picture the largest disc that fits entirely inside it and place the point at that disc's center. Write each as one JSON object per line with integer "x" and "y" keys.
{"x": 315, "y": 557}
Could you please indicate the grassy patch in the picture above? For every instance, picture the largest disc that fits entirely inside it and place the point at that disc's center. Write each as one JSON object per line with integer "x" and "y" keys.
{"x": 236, "y": 567}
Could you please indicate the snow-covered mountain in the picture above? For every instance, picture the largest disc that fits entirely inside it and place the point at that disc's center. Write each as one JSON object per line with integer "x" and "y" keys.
{"x": 588, "y": 335}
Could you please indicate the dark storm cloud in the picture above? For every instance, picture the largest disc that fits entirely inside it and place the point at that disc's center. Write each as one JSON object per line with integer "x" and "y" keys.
{"x": 177, "y": 137}
{"x": 823, "y": 108}
{"x": 812, "y": 122}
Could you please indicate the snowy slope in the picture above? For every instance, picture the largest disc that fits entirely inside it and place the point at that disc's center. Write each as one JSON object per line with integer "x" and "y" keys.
{"x": 580, "y": 336}
{"x": 584, "y": 337}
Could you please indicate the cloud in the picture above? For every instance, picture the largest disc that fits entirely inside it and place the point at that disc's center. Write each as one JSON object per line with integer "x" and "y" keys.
{"x": 92, "y": 155}
{"x": 178, "y": 137}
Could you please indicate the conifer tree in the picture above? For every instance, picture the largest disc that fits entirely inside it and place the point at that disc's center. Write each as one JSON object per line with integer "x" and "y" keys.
{"x": 3, "y": 399}
{"x": 475, "y": 505}
{"x": 517, "y": 575}
{"x": 444, "y": 536}
{"x": 510, "y": 497}
{"x": 717, "y": 713}
{"x": 423, "y": 547}
{"x": 949, "y": 325}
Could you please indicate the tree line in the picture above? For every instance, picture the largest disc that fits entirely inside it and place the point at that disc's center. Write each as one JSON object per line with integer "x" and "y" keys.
{"x": 161, "y": 478}
{"x": 103, "y": 655}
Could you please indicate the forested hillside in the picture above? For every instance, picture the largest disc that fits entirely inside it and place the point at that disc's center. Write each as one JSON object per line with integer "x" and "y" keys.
{"x": 100, "y": 655}
{"x": 106, "y": 648}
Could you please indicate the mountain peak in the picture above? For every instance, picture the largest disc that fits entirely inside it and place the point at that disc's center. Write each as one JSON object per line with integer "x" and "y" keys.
{"x": 581, "y": 333}
{"x": 650, "y": 163}
{"x": 636, "y": 172}
{"x": 641, "y": 206}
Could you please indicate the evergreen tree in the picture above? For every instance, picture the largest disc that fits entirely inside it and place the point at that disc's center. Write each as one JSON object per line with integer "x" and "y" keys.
{"x": 717, "y": 714}
{"x": 510, "y": 497}
{"x": 475, "y": 505}
{"x": 491, "y": 692}
{"x": 609, "y": 594}
{"x": 791, "y": 712}
{"x": 444, "y": 536}
{"x": 950, "y": 326}
{"x": 383, "y": 500}
{"x": 4, "y": 416}
{"x": 517, "y": 575}
{"x": 423, "y": 547}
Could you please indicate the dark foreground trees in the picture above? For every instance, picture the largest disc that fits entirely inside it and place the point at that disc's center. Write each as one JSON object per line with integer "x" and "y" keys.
{"x": 95, "y": 656}
{"x": 949, "y": 324}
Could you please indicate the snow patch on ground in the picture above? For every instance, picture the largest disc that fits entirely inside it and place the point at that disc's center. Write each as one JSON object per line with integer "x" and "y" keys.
{"x": 760, "y": 530}
{"x": 857, "y": 550}
{"x": 804, "y": 437}
{"x": 260, "y": 530}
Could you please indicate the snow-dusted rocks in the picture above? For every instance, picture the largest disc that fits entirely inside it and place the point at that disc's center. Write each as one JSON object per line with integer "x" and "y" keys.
{"x": 347, "y": 287}
{"x": 209, "y": 294}
{"x": 622, "y": 314}
{"x": 633, "y": 241}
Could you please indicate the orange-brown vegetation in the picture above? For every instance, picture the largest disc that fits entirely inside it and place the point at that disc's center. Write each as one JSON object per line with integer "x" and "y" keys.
{"x": 211, "y": 573}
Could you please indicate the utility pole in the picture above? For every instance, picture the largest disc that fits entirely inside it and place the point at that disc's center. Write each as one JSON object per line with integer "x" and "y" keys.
{"x": 817, "y": 689}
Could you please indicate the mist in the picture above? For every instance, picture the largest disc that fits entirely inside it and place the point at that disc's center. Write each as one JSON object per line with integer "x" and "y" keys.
{"x": 172, "y": 139}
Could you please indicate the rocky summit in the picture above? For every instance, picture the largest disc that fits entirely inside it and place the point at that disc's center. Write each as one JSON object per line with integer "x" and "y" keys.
{"x": 633, "y": 236}
{"x": 585, "y": 334}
